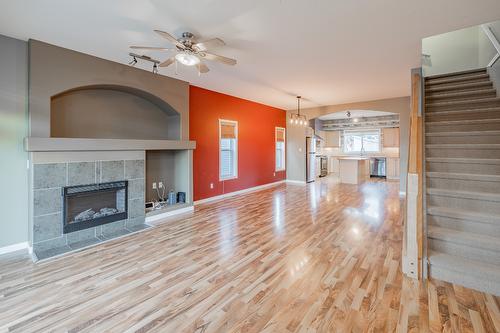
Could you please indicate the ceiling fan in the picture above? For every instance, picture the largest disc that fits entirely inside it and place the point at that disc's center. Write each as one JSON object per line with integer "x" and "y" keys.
{"x": 189, "y": 52}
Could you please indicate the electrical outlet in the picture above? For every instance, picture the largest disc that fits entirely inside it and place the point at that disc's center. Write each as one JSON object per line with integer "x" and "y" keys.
{"x": 274, "y": 174}
{"x": 154, "y": 186}
{"x": 160, "y": 185}
{"x": 211, "y": 186}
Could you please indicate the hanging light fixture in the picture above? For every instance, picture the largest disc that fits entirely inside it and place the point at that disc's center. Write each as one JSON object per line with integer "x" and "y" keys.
{"x": 297, "y": 118}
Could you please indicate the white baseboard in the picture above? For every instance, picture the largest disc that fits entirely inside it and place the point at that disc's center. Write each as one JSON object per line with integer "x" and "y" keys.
{"x": 230, "y": 194}
{"x": 14, "y": 247}
{"x": 295, "y": 182}
{"x": 168, "y": 214}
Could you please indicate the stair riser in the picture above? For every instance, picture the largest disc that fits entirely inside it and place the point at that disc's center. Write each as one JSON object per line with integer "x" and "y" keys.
{"x": 465, "y": 251}
{"x": 462, "y": 106}
{"x": 466, "y": 115}
{"x": 440, "y": 97}
{"x": 473, "y": 168}
{"x": 464, "y": 185}
{"x": 465, "y": 225}
{"x": 465, "y": 139}
{"x": 435, "y": 89}
{"x": 463, "y": 153}
{"x": 489, "y": 286}
{"x": 433, "y": 128}
{"x": 486, "y": 207}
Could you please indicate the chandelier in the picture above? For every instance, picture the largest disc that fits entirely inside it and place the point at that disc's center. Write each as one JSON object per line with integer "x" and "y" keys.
{"x": 297, "y": 118}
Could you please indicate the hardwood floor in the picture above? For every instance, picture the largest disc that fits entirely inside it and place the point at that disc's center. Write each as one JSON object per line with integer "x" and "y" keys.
{"x": 318, "y": 258}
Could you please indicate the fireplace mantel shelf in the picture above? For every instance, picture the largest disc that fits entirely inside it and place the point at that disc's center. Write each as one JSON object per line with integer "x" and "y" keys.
{"x": 75, "y": 144}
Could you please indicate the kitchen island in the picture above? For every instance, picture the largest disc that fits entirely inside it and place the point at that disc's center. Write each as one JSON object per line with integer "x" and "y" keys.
{"x": 354, "y": 169}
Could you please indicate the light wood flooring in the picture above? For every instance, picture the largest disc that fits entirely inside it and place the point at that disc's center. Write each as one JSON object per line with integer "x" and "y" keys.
{"x": 319, "y": 258}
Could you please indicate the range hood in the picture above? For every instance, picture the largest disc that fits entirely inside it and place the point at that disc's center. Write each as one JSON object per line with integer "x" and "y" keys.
{"x": 317, "y": 126}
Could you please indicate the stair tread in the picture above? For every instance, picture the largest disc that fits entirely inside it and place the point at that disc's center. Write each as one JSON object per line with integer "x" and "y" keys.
{"x": 464, "y": 101}
{"x": 464, "y": 238}
{"x": 466, "y": 215}
{"x": 464, "y": 133}
{"x": 463, "y": 146}
{"x": 464, "y": 266}
{"x": 463, "y": 160}
{"x": 463, "y": 121}
{"x": 457, "y": 86}
{"x": 464, "y": 176}
{"x": 454, "y": 112}
{"x": 484, "y": 196}
{"x": 464, "y": 78}
{"x": 461, "y": 93}
{"x": 461, "y": 73}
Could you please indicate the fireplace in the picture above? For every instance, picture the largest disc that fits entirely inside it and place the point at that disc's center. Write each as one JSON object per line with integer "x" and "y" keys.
{"x": 87, "y": 206}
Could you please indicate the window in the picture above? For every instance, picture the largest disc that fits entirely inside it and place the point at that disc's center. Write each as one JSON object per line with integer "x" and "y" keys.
{"x": 228, "y": 149}
{"x": 361, "y": 141}
{"x": 280, "y": 149}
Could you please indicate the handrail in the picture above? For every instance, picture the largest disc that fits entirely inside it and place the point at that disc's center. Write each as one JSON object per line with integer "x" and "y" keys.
{"x": 493, "y": 39}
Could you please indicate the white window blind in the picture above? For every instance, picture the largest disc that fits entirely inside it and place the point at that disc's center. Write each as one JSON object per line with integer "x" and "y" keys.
{"x": 228, "y": 149}
{"x": 361, "y": 141}
{"x": 280, "y": 149}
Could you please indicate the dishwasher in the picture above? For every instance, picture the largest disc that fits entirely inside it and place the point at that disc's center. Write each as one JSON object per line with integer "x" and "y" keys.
{"x": 377, "y": 167}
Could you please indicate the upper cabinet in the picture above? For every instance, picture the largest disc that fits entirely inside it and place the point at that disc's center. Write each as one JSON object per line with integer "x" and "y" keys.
{"x": 332, "y": 138}
{"x": 390, "y": 137}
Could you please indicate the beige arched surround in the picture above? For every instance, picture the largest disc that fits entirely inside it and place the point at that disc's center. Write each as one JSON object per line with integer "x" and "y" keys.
{"x": 296, "y": 135}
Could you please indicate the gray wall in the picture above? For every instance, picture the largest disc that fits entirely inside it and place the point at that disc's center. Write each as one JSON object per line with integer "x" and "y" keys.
{"x": 296, "y": 141}
{"x": 55, "y": 70}
{"x": 109, "y": 114}
{"x": 13, "y": 128}
{"x": 173, "y": 168}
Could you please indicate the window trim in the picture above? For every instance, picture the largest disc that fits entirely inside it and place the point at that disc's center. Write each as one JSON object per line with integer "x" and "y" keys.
{"x": 276, "y": 129}
{"x": 367, "y": 130}
{"x": 235, "y": 175}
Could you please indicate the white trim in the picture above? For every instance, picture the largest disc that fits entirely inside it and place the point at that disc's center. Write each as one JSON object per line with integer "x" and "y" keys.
{"x": 235, "y": 171}
{"x": 284, "y": 147}
{"x": 230, "y": 194}
{"x": 161, "y": 216}
{"x": 296, "y": 182}
{"x": 14, "y": 247}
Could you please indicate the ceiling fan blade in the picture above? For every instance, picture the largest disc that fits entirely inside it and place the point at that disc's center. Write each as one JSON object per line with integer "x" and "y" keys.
{"x": 170, "y": 38}
{"x": 203, "y": 68}
{"x": 150, "y": 48}
{"x": 207, "y": 44}
{"x": 167, "y": 62}
{"x": 215, "y": 57}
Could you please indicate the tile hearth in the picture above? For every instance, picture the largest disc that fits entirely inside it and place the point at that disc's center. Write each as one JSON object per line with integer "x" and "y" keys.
{"x": 48, "y": 182}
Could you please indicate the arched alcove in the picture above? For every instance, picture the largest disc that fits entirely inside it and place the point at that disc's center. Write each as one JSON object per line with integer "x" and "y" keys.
{"x": 112, "y": 112}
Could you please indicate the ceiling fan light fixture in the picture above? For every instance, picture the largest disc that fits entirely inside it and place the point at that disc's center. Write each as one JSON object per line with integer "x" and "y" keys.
{"x": 187, "y": 59}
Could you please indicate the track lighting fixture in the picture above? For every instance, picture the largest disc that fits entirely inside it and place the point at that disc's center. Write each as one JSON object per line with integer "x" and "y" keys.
{"x": 135, "y": 58}
{"x": 133, "y": 62}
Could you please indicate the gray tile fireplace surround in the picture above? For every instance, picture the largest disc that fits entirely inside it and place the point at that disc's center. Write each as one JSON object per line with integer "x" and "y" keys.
{"x": 48, "y": 181}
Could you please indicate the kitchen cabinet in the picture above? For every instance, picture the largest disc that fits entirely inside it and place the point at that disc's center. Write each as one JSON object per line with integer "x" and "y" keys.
{"x": 332, "y": 138}
{"x": 392, "y": 168}
{"x": 390, "y": 137}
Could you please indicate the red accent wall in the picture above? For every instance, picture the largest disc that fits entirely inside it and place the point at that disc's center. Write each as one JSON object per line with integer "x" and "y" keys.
{"x": 256, "y": 154}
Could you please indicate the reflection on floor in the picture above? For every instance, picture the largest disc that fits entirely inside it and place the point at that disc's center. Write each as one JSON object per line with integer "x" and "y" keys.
{"x": 324, "y": 257}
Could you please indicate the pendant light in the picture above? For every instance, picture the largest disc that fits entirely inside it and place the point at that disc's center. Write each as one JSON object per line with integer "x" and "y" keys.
{"x": 297, "y": 118}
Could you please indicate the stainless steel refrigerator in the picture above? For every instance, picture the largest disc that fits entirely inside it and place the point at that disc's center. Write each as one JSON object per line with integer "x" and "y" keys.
{"x": 310, "y": 159}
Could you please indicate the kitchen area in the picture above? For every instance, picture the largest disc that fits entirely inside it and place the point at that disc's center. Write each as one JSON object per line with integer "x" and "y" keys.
{"x": 354, "y": 146}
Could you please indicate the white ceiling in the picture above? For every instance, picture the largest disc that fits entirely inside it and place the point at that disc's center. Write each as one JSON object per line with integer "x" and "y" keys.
{"x": 355, "y": 114}
{"x": 328, "y": 51}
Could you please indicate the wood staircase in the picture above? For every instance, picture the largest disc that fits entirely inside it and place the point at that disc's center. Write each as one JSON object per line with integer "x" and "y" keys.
{"x": 462, "y": 154}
